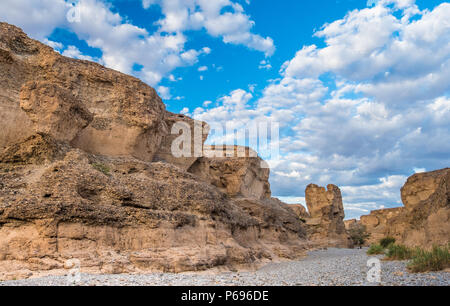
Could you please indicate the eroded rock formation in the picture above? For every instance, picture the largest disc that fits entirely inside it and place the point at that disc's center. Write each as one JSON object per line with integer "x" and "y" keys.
{"x": 425, "y": 218}
{"x": 300, "y": 211}
{"x": 376, "y": 223}
{"x": 326, "y": 223}
{"x": 350, "y": 223}
{"x": 85, "y": 173}
{"x": 234, "y": 175}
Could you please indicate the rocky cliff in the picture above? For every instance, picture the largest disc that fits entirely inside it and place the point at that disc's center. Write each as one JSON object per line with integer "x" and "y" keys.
{"x": 425, "y": 218}
{"x": 86, "y": 173}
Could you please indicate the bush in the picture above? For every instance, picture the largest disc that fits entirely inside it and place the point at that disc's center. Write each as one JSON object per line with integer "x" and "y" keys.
{"x": 358, "y": 233}
{"x": 102, "y": 168}
{"x": 385, "y": 242}
{"x": 399, "y": 252}
{"x": 435, "y": 260}
{"x": 375, "y": 249}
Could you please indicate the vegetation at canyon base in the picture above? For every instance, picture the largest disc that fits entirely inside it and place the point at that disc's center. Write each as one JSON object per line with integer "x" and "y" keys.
{"x": 420, "y": 260}
{"x": 376, "y": 249}
{"x": 385, "y": 242}
{"x": 435, "y": 260}
{"x": 358, "y": 233}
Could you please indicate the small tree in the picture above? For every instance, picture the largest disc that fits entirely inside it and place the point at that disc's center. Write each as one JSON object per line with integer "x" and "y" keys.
{"x": 358, "y": 233}
{"x": 387, "y": 241}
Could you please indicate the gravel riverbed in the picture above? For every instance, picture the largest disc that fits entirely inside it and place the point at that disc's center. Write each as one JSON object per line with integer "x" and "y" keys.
{"x": 340, "y": 267}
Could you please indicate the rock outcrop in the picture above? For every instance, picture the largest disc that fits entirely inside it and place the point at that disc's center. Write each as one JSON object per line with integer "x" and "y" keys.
{"x": 234, "y": 175}
{"x": 326, "y": 223}
{"x": 350, "y": 223}
{"x": 196, "y": 131}
{"x": 86, "y": 174}
{"x": 300, "y": 211}
{"x": 376, "y": 223}
{"x": 424, "y": 220}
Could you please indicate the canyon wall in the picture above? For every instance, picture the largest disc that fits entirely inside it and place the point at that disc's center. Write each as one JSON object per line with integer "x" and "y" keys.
{"x": 86, "y": 173}
{"x": 424, "y": 220}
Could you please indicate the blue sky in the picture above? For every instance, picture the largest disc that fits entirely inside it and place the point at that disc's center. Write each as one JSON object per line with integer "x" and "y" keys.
{"x": 361, "y": 89}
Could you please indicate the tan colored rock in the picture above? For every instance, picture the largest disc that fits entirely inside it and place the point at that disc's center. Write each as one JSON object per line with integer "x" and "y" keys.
{"x": 54, "y": 110}
{"x": 128, "y": 116}
{"x": 197, "y": 131}
{"x": 78, "y": 179}
{"x": 234, "y": 175}
{"x": 425, "y": 221}
{"x": 422, "y": 187}
{"x": 300, "y": 210}
{"x": 127, "y": 215}
{"x": 376, "y": 222}
{"x": 350, "y": 223}
{"x": 327, "y": 216}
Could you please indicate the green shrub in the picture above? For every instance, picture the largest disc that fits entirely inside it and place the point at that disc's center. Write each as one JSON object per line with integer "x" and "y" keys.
{"x": 435, "y": 260}
{"x": 358, "y": 233}
{"x": 375, "y": 249}
{"x": 399, "y": 252}
{"x": 385, "y": 242}
{"x": 102, "y": 168}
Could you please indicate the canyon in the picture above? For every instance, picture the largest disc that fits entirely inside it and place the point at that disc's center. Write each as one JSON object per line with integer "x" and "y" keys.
{"x": 88, "y": 174}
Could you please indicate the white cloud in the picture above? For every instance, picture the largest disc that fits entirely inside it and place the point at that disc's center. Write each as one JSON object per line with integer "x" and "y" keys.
{"x": 265, "y": 64}
{"x": 384, "y": 116}
{"x": 207, "y": 103}
{"x": 37, "y": 18}
{"x": 164, "y": 92}
{"x": 294, "y": 200}
{"x": 55, "y": 45}
{"x": 123, "y": 44}
{"x": 233, "y": 26}
{"x": 74, "y": 52}
{"x": 203, "y": 68}
{"x": 395, "y": 60}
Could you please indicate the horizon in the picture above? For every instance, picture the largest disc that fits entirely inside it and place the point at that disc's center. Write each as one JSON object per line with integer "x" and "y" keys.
{"x": 360, "y": 89}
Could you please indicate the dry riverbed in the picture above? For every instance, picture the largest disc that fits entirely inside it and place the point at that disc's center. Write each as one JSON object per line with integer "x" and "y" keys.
{"x": 341, "y": 267}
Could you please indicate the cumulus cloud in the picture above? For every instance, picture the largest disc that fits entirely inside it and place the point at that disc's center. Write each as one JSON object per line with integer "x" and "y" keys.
{"x": 74, "y": 52}
{"x": 220, "y": 18}
{"x": 365, "y": 111}
{"x": 36, "y": 18}
{"x": 164, "y": 92}
{"x": 123, "y": 45}
{"x": 265, "y": 64}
